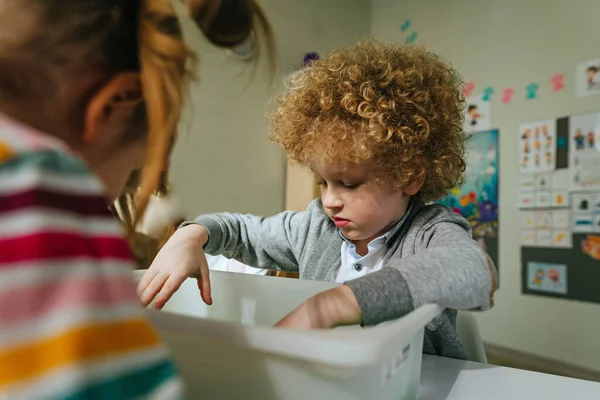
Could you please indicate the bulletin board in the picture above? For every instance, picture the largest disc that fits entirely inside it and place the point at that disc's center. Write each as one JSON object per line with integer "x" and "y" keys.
{"x": 559, "y": 196}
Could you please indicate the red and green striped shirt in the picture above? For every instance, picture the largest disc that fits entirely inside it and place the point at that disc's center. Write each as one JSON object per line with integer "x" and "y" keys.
{"x": 71, "y": 326}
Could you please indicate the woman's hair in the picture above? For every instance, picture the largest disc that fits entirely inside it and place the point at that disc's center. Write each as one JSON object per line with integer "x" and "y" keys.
{"x": 48, "y": 42}
{"x": 396, "y": 108}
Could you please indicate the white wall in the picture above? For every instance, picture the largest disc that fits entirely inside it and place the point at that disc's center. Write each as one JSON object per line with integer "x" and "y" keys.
{"x": 511, "y": 43}
{"x": 223, "y": 160}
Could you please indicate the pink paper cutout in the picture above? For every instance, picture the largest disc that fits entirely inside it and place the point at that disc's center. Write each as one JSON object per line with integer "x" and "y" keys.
{"x": 507, "y": 95}
{"x": 469, "y": 88}
{"x": 557, "y": 82}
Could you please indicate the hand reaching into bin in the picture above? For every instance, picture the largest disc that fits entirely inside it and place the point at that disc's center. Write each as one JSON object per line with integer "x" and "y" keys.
{"x": 181, "y": 257}
{"x": 328, "y": 309}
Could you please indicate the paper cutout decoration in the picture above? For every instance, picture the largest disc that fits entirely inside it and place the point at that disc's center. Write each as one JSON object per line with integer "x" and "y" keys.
{"x": 557, "y": 82}
{"x": 405, "y": 25}
{"x": 309, "y": 58}
{"x": 561, "y": 142}
{"x": 532, "y": 89}
{"x": 487, "y": 93}
{"x": 507, "y": 95}
{"x": 411, "y": 38}
{"x": 469, "y": 88}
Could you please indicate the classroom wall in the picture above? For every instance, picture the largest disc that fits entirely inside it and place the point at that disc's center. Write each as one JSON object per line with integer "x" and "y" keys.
{"x": 510, "y": 43}
{"x": 224, "y": 160}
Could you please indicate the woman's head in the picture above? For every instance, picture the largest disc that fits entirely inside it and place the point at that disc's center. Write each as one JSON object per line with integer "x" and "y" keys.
{"x": 106, "y": 76}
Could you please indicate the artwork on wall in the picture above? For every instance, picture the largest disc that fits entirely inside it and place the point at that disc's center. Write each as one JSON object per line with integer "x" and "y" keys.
{"x": 547, "y": 277}
{"x": 584, "y": 151}
{"x": 537, "y": 146}
{"x": 478, "y": 115}
{"x": 477, "y": 198}
{"x": 591, "y": 247}
{"x": 546, "y": 228}
{"x": 544, "y": 190}
{"x": 587, "y": 78}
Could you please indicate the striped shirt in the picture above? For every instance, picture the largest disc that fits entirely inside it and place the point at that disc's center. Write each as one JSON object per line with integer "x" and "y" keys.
{"x": 71, "y": 326}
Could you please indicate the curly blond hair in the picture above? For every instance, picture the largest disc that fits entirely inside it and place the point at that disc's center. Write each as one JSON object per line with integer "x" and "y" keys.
{"x": 397, "y": 108}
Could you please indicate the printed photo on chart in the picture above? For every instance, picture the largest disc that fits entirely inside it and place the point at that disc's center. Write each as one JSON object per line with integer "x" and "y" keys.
{"x": 546, "y": 277}
{"x": 537, "y": 146}
{"x": 584, "y": 151}
{"x": 587, "y": 78}
{"x": 477, "y": 117}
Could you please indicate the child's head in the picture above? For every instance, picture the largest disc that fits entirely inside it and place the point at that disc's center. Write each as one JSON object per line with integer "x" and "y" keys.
{"x": 106, "y": 76}
{"x": 379, "y": 113}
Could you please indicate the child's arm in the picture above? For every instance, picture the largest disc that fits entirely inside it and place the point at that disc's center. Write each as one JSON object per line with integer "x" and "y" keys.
{"x": 274, "y": 242}
{"x": 450, "y": 269}
{"x": 72, "y": 326}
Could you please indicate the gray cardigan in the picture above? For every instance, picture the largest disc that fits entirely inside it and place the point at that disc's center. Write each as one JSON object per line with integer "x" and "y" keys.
{"x": 431, "y": 259}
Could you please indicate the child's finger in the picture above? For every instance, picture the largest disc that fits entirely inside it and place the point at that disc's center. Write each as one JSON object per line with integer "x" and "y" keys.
{"x": 153, "y": 288}
{"x": 172, "y": 284}
{"x": 146, "y": 279}
{"x": 204, "y": 282}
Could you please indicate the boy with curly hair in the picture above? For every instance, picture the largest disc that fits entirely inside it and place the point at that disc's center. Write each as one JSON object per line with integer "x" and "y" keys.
{"x": 380, "y": 125}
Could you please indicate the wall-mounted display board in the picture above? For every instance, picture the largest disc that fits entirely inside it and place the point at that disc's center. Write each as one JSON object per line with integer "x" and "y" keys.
{"x": 559, "y": 196}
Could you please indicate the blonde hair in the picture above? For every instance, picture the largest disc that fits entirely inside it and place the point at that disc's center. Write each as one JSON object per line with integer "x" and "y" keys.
{"x": 396, "y": 108}
{"x": 163, "y": 61}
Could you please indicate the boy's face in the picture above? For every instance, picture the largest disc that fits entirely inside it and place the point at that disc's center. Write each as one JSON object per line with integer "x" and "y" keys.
{"x": 359, "y": 206}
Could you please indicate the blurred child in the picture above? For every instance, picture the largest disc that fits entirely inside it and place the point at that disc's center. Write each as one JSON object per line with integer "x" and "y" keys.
{"x": 89, "y": 90}
{"x": 380, "y": 125}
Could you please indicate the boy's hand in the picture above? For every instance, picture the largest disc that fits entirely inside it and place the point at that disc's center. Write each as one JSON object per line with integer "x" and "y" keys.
{"x": 325, "y": 310}
{"x": 181, "y": 257}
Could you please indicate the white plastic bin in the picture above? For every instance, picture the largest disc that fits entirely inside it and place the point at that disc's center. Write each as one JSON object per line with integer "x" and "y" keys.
{"x": 232, "y": 351}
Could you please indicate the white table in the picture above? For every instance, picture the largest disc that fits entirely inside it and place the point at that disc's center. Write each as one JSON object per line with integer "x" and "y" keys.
{"x": 448, "y": 379}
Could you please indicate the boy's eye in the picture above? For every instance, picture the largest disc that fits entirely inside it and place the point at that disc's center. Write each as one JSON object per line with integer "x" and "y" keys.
{"x": 321, "y": 183}
{"x": 350, "y": 185}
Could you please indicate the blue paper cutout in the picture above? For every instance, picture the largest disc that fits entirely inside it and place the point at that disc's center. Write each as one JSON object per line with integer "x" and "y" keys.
{"x": 405, "y": 25}
{"x": 411, "y": 38}
{"x": 561, "y": 142}
{"x": 532, "y": 91}
{"x": 487, "y": 93}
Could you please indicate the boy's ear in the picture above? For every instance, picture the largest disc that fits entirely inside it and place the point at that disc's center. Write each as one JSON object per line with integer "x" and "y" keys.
{"x": 413, "y": 188}
{"x": 113, "y": 104}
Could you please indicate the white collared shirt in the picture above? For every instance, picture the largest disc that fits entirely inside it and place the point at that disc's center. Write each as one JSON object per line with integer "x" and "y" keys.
{"x": 354, "y": 265}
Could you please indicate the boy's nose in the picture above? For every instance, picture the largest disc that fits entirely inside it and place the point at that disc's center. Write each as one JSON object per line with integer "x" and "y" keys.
{"x": 331, "y": 200}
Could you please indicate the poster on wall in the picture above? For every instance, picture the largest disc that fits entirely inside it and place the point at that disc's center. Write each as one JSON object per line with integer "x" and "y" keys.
{"x": 547, "y": 277}
{"x": 477, "y": 198}
{"x": 477, "y": 117}
{"x": 537, "y": 146}
{"x": 584, "y": 151}
{"x": 587, "y": 78}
